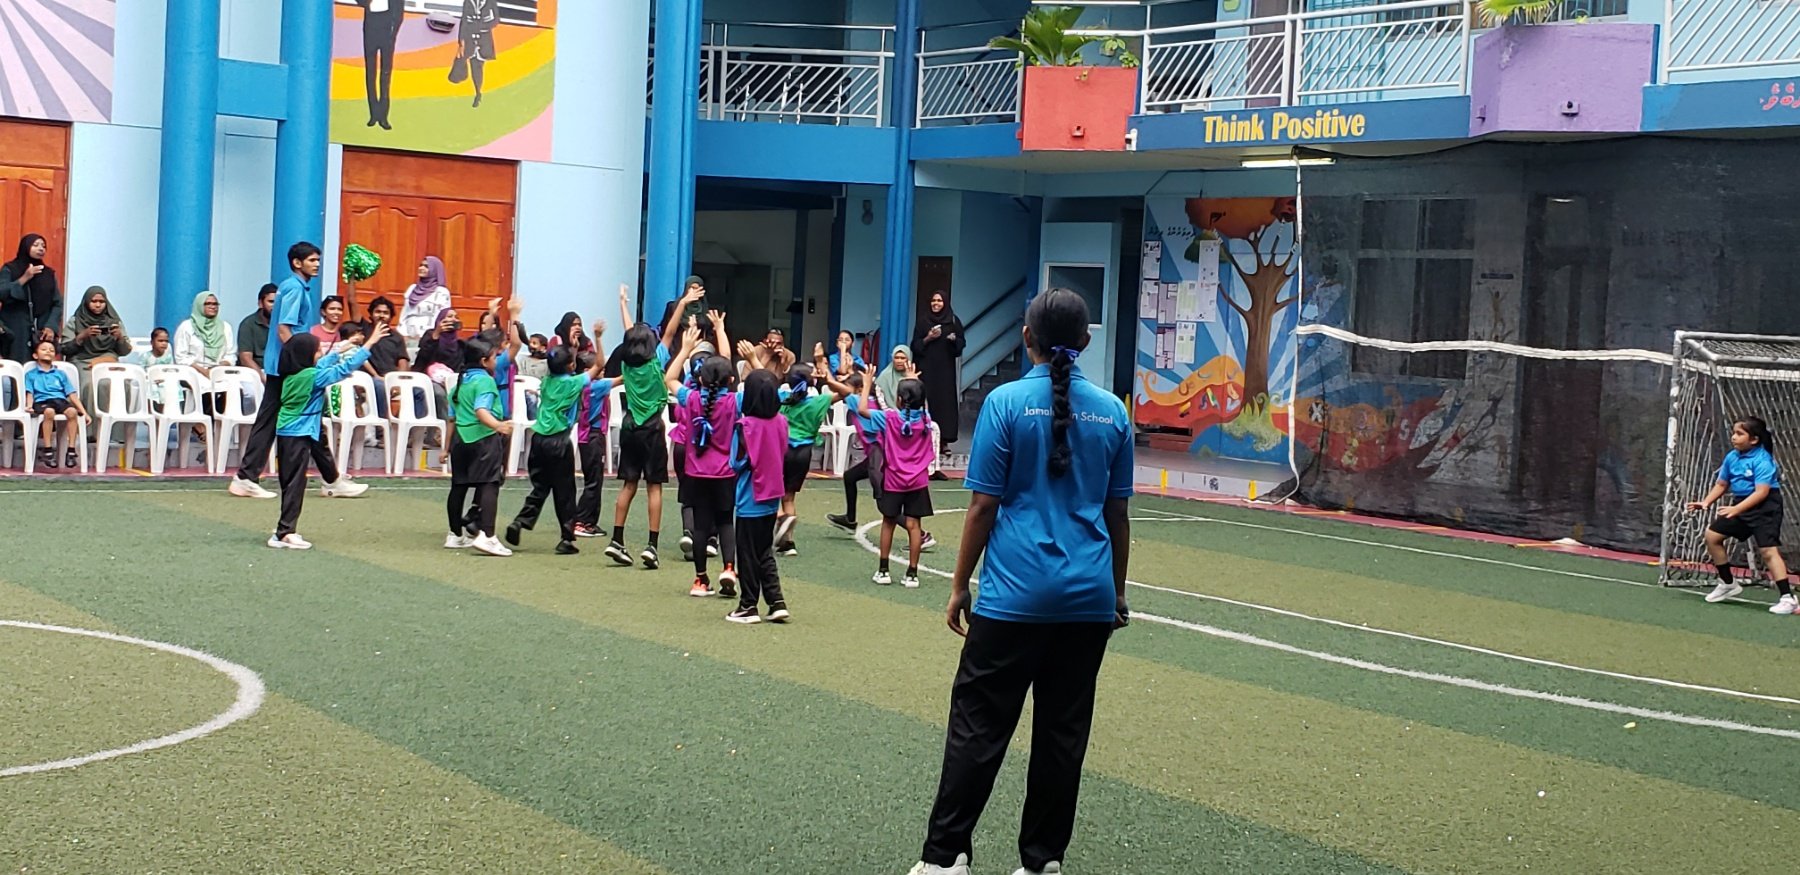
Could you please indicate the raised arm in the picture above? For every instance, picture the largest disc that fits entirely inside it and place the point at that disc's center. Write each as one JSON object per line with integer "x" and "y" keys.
{"x": 689, "y": 339}
{"x": 600, "y": 355}
{"x": 753, "y": 354}
{"x": 721, "y": 341}
{"x": 515, "y": 330}
{"x": 624, "y": 308}
{"x": 839, "y": 391}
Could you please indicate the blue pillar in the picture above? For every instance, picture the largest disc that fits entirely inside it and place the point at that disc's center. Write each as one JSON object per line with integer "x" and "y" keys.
{"x": 675, "y": 101}
{"x": 897, "y": 263}
{"x": 302, "y": 139}
{"x": 184, "y": 207}
{"x": 796, "y": 327}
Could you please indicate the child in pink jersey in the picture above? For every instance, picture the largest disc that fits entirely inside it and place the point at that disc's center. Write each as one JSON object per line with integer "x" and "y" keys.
{"x": 708, "y": 413}
{"x": 904, "y": 434}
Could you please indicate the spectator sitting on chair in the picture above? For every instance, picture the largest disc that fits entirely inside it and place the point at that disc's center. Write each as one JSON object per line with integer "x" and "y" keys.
{"x": 253, "y": 332}
{"x": 203, "y": 341}
{"x": 332, "y": 314}
{"x": 159, "y": 353}
{"x": 49, "y": 393}
{"x": 94, "y": 335}
{"x": 386, "y": 355}
{"x": 536, "y": 362}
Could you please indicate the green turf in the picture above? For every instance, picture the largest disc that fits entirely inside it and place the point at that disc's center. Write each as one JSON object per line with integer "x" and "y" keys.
{"x": 600, "y": 713}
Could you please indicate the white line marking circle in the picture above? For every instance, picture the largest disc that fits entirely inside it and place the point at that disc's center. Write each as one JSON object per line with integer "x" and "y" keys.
{"x": 249, "y": 698}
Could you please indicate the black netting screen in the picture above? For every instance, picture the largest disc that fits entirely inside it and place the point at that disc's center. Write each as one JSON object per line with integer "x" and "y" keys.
{"x": 1601, "y": 245}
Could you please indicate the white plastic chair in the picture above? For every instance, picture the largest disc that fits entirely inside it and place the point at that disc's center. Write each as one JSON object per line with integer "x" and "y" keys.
{"x": 357, "y": 391}
{"x": 615, "y": 420}
{"x": 12, "y": 410}
{"x": 409, "y": 429}
{"x": 58, "y": 445}
{"x": 181, "y": 388}
{"x": 837, "y": 433}
{"x": 522, "y": 387}
{"x": 232, "y": 421}
{"x": 127, "y": 392}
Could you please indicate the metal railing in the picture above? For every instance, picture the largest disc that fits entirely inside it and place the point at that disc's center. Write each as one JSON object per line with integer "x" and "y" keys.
{"x": 1703, "y": 35}
{"x": 792, "y": 73}
{"x": 1375, "y": 52}
{"x": 968, "y": 86}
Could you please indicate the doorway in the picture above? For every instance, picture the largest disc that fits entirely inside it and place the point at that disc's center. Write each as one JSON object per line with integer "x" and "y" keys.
{"x": 34, "y": 188}
{"x": 1088, "y": 281}
{"x": 406, "y": 206}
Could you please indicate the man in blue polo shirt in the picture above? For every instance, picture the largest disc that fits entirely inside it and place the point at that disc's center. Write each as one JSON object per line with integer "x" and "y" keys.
{"x": 296, "y": 309}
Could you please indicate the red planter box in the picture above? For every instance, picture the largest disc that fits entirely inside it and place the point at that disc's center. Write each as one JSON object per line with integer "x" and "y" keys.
{"x": 1077, "y": 108}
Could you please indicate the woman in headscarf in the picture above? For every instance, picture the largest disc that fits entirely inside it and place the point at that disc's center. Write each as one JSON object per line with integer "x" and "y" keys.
{"x": 425, "y": 299}
{"x": 30, "y": 302}
{"x": 440, "y": 354}
{"x": 568, "y": 331}
{"x": 94, "y": 335}
{"x": 203, "y": 341}
{"x": 939, "y": 344}
{"x": 887, "y": 383}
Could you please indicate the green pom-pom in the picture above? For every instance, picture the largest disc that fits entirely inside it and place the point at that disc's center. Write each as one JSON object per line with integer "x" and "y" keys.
{"x": 359, "y": 263}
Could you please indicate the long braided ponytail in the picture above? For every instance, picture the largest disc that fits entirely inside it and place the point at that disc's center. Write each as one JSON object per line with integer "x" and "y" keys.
{"x": 1058, "y": 321}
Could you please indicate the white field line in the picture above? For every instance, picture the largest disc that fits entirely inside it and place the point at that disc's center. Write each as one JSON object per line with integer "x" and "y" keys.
{"x": 862, "y": 537}
{"x": 249, "y": 698}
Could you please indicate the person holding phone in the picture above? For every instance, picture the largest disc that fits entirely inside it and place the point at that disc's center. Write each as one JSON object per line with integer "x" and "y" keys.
{"x": 30, "y": 301}
{"x": 94, "y": 335}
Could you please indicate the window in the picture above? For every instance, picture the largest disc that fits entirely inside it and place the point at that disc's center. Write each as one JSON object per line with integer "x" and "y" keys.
{"x": 1415, "y": 267}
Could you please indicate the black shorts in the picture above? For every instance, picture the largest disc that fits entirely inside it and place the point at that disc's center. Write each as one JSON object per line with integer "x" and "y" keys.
{"x": 795, "y": 465}
{"x": 472, "y": 464}
{"x": 896, "y": 505}
{"x": 1761, "y": 523}
{"x": 718, "y": 493}
{"x": 50, "y": 406}
{"x": 643, "y": 452}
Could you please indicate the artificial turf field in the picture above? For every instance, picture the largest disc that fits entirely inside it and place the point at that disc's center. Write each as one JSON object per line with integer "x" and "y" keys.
{"x": 1297, "y": 694}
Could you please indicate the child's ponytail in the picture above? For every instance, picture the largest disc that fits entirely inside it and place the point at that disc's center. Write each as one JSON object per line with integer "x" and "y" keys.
{"x": 1058, "y": 322}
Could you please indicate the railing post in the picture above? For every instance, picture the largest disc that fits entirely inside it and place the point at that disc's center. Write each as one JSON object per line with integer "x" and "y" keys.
{"x": 1468, "y": 43}
{"x": 1668, "y": 25}
{"x": 1292, "y": 33}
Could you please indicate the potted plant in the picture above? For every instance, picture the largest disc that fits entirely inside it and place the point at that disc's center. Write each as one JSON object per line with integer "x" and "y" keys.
{"x": 1532, "y": 74}
{"x": 1068, "y": 104}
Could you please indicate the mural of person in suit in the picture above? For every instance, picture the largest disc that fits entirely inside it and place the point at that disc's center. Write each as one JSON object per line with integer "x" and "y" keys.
{"x": 477, "y": 33}
{"x": 381, "y": 31}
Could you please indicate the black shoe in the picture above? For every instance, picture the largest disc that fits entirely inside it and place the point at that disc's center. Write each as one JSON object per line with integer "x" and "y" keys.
{"x": 70, "y": 460}
{"x": 649, "y": 557}
{"x": 687, "y": 547}
{"x": 745, "y": 616}
{"x": 47, "y": 458}
{"x": 477, "y": 100}
{"x": 841, "y": 521}
{"x": 512, "y": 533}
{"x": 778, "y": 612}
{"x": 470, "y": 529}
{"x": 616, "y": 552}
{"x": 373, "y": 122}
{"x": 385, "y": 126}
{"x": 939, "y": 476}
{"x": 566, "y": 548}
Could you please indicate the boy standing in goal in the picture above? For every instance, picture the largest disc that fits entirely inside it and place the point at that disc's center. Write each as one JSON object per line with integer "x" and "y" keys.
{"x": 1750, "y": 475}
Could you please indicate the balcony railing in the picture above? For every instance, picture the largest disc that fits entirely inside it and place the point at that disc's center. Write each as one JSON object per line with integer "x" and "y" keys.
{"x": 793, "y": 73}
{"x": 1702, "y": 36}
{"x": 1378, "y": 51}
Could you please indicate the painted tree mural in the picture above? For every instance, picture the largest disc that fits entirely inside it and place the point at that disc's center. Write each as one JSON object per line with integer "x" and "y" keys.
{"x": 1259, "y": 223}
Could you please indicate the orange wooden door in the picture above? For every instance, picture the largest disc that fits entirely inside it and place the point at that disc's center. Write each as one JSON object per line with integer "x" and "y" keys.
{"x": 405, "y": 207}
{"x": 34, "y": 188}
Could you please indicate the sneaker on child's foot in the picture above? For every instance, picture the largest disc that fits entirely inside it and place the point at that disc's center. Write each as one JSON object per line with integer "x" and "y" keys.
{"x": 779, "y": 613}
{"x": 1051, "y": 868}
{"x": 70, "y": 460}
{"x": 883, "y": 578}
{"x": 616, "y": 552}
{"x": 841, "y": 521}
{"x": 1787, "y": 605}
{"x": 1724, "y": 591}
{"x": 47, "y": 458}
{"x": 687, "y": 547}
{"x": 784, "y": 529}
{"x": 960, "y": 867}
{"x": 648, "y": 557}
{"x": 910, "y": 581}
{"x": 512, "y": 533}
{"x": 712, "y": 548}
{"x": 929, "y": 543}
{"x": 702, "y": 588}
{"x": 746, "y": 616}
{"x": 728, "y": 580}
{"x": 566, "y": 548}
{"x": 343, "y": 488}
{"x": 470, "y": 530}
{"x": 290, "y": 541}
{"x": 248, "y": 489}
{"x": 790, "y": 550}
{"x": 491, "y": 545}
{"x": 583, "y": 530}
{"x": 457, "y": 541}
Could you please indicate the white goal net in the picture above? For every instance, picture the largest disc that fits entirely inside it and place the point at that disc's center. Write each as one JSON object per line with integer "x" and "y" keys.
{"x": 1717, "y": 379}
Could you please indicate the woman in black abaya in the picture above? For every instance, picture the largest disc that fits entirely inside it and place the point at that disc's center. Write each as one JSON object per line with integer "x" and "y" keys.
{"x": 937, "y": 348}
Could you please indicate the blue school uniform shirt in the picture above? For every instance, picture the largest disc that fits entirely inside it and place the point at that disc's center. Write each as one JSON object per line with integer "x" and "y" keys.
{"x": 1049, "y": 559}
{"x": 47, "y": 385}
{"x": 835, "y": 359}
{"x": 746, "y": 503}
{"x": 297, "y": 307}
{"x": 1743, "y": 472}
{"x": 503, "y": 377}
{"x": 331, "y": 370}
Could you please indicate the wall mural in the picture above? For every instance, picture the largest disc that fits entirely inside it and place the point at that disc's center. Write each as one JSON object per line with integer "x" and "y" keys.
{"x": 475, "y": 77}
{"x": 1215, "y": 339}
{"x": 56, "y": 59}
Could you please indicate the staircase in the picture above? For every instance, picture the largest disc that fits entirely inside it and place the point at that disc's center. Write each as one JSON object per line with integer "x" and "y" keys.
{"x": 976, "y": 393}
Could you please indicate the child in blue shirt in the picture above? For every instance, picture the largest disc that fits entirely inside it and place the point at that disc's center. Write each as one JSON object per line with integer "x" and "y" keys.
{"x": 1750, "y": 475}
{"x": 307, "y": 371}
{"x": 50, "y": 393}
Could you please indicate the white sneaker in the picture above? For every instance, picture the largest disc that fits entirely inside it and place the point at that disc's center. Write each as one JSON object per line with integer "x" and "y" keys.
{"x": 911, "y": 581}
{"x": 248, "y": 489}
{"x": 491, "y": 545}
{"x": 1724, "y": 591}
{"x": 343, "y": 488}
{"x": 928, "y": 543}
{"x": 293, "y": 541}
{"x": 883, "y": 578}
{"x": 784, "y": 529}
{"x": 1051, "y": 868}
{"x": 961, "y": 867}
{"x": 1787, "y": 605}
{"x": 457, "y": 541}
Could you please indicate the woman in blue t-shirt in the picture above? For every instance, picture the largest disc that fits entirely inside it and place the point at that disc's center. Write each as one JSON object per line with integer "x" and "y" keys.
{"x": 1043, "y": 618}
{"x": 1750, "y": 474}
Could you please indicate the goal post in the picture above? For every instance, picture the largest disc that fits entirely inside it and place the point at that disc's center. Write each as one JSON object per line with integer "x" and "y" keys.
{"x": 1718, "y": 378}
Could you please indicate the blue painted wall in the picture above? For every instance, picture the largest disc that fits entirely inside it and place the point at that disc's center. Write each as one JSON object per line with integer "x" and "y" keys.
{"x": 816, "y": 153}
{"x": 862, "y": 258}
